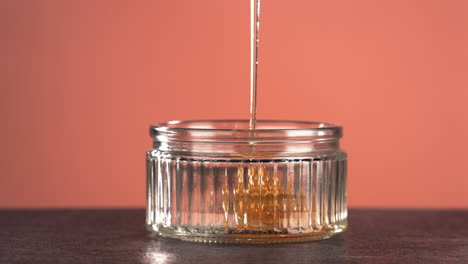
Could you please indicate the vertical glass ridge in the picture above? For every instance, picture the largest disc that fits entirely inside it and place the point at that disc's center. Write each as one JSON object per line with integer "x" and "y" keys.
{"x": 208, "y": 198}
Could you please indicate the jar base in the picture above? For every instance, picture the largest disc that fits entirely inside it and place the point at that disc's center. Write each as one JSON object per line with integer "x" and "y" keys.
{"x": 247, "y": 237}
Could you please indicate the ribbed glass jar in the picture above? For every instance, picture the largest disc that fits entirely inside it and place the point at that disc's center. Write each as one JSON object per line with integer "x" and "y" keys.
{"x": 218, "y": 181}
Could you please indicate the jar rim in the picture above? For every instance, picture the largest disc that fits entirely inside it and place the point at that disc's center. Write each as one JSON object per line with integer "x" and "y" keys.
{"x": 242, "y": 125}
{"x": 233, "y": 136}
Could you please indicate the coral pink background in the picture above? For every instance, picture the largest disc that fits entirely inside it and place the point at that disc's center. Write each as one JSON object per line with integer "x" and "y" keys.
{"x": 81, "y": 81}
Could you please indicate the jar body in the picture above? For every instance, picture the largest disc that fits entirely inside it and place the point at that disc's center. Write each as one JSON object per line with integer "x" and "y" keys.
{"x": 246, "y": 198}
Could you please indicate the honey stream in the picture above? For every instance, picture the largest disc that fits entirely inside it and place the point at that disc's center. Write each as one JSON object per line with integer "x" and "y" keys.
{"x": 254, "y": 40}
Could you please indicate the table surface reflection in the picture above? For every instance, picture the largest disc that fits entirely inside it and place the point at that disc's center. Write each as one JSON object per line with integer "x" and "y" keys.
{"x": 119, "y": 236}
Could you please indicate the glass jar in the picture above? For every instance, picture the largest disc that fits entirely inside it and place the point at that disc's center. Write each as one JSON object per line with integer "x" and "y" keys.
{"x": 218, "y": 181}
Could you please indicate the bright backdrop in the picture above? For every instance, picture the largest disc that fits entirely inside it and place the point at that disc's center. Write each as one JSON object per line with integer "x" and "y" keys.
{"x": 81, "y": 80}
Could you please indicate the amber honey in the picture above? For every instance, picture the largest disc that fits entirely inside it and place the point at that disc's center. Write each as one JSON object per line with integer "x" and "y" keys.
{"x": 265, "y": 205}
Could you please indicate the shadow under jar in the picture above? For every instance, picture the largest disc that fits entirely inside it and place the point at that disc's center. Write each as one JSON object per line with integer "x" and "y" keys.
{"x": 218, "y": 181}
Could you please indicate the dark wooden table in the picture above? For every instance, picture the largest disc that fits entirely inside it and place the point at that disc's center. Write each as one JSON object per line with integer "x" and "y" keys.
{"x": 119, "y": 236}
